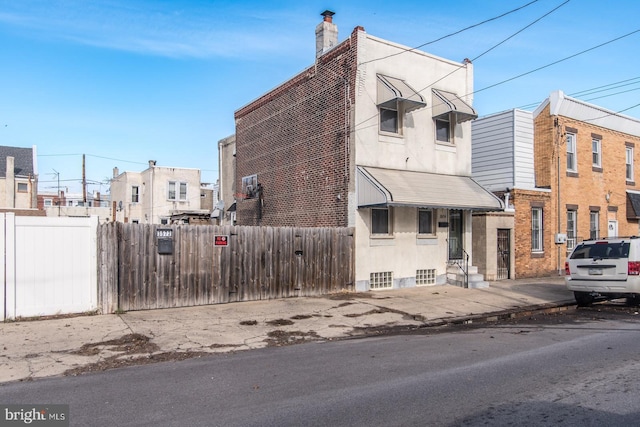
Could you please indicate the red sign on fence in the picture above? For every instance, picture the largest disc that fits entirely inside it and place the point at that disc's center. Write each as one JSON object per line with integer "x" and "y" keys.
{"x": 220, "y": 240}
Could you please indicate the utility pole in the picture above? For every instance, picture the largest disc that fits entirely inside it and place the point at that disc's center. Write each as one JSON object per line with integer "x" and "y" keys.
{"x": 84, "y": 184}
{"x": 59, "y": 198}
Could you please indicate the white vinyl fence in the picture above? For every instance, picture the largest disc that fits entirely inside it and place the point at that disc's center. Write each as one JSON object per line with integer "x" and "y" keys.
{"x": 49, "y": 265}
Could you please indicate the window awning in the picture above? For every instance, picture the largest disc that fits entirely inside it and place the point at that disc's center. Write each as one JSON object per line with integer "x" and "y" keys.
{"x": 447, "y": 102}
{"x": 391, "y": 91}
{"x": 392, "y": 187}
{"x": 633, "y": 205}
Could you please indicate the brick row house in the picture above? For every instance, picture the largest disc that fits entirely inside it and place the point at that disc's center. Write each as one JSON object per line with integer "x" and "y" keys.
{"x": 569, "y": 171}
{"x": 374, "y": 136}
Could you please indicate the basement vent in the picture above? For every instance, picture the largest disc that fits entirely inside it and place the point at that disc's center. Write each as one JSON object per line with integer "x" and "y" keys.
{"x": 426, "y": 277}
{"x": 381, "y": 280}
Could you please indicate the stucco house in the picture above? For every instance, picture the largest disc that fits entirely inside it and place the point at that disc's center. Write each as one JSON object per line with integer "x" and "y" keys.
{"x": 569, "y": 171}
{"x": 157, "y": 194}
{"x": 375, "y": 136}
{"x": 18, "y": 180}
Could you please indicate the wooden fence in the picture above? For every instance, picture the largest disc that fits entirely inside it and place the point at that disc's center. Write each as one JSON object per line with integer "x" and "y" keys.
{"x": 258, "y": 263}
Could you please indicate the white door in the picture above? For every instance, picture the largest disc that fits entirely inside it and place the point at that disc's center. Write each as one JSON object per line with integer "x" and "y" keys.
{"x": 612, "y": 230}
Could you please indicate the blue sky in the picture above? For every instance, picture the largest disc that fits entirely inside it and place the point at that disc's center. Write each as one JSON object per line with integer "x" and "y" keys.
{"x": 126, "y": 81}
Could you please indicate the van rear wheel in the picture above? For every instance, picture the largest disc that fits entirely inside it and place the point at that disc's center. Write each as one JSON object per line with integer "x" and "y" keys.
{"x": 584, "y": 299}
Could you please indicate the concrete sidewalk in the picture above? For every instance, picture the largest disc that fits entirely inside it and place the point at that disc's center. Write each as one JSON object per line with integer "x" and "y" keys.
{"x": 73, "y": 345}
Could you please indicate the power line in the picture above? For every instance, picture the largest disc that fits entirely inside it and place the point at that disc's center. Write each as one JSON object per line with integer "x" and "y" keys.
{"x": 556, "y": 62}
{"x": 451, "y": 34}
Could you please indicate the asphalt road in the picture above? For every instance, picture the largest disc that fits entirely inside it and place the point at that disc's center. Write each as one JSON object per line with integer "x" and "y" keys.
{"x": 576, "y": 368}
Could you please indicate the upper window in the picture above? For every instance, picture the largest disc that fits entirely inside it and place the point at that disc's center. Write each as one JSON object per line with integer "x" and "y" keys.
{"x": 443, "y": 129}
{"x": 629, "y": 163}
{"x": 135, "y": 194}
{"x": 572, "y": 165}
{"x": 380, "y": 221}
{"x": 536, "y": 229}
{"x": 596, "y": 153}
{"x": 250, "y": 186}
{"x": 177, "y": 190}
{"x": 389, "y": 120}
{"x": 426, "y": 221}
{"x": 48, "y": 202}
{"x": 23, "y": 187}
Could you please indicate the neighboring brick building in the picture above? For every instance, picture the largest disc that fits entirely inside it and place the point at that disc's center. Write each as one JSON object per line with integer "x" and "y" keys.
{"x": 350, "y": 142}
{"x": 580, "y": 159}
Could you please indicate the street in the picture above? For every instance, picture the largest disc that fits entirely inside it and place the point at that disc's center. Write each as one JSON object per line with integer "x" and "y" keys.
{"x": 572, "y": 368}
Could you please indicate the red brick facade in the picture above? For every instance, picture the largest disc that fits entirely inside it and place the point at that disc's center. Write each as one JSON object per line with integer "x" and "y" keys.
{"x": 296, "y": 140}
{"x": 588, "y": 190}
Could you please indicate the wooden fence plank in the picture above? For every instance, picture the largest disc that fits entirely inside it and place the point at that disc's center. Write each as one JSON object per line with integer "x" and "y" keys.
{"x": 258, "y": 263}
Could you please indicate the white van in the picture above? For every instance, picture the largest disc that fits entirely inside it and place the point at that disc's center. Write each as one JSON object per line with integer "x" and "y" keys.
{"x": 605, "y": 268}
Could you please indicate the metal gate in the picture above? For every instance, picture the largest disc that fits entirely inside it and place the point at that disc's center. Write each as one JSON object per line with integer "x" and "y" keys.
{"x": 504, "y": 254}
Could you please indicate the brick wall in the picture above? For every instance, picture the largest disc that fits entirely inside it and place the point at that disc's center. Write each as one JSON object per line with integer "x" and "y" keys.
{"x": 528, "y": 263}
{"x": 585, "y": 191}
{"x": 295, "y": 139}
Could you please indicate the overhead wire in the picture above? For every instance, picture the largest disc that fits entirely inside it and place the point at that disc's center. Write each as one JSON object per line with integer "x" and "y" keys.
{"x": 451, "y": 34}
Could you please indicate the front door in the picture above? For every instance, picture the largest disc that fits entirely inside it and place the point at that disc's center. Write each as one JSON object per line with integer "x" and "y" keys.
{"x": 612, "y": 230}
{"x": 455, "y": 234}
{"x": 504, "y": 253}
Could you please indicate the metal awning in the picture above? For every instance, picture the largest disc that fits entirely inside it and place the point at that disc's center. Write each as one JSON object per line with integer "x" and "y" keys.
{"x": 633, "y": 204}
{"x": 447, "y": 102}
{"x": 391, "y": 91}
{"x": 392, "y": 187}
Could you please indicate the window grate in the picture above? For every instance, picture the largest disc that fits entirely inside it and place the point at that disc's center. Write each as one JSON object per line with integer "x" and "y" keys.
{"x": 426, "y": 277}
{"x": 381, "y": 280}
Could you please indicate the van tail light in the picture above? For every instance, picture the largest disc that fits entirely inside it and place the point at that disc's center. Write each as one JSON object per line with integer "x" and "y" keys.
{"x": 567, "y": 272}
{"x": 634, "y": 268}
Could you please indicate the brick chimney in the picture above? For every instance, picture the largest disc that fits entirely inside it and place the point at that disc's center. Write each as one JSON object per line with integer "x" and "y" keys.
{"x": 326, "y": 34}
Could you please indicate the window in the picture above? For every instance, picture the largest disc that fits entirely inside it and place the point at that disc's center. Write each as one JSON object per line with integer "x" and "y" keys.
{"x": 23, "y": 187}
{"x": 425, "y": 221}
{"x": 381, "y": 280}
{"x": 594, "y": 228}
{"x": 389, "y": 120}
{"x": 135, "y": 194}
{"x": 571, "y": 153}
{"x": 596, "y": 152}
{"x": 48, "y": 202}
{"x": 536, "y": 229}
{"x": 164, "y": 221}
{"x": 629, "y": 163}
{"x": 174, "y": 187}
{"x": 426, "y": 277}
{"x": 380, "y": 221}
{"x": 571, "y": 229}
{"x": 250, "y": 186}
{"x": 443, "y": 130}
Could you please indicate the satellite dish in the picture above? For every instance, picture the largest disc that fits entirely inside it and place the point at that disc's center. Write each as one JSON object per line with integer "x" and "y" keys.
{"x": 220, "y": 204}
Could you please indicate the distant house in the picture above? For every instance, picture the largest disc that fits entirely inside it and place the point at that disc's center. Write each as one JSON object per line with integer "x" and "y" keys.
{"x": 569, "y": 172}
{"x": 19, "y": 180}
{"x": 67, "y": 204}
{"x": 157, "y": 194}
{"x": 374, "y": 136}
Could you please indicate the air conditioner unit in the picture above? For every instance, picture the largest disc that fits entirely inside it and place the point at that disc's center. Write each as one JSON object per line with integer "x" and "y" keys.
{"x": 560, "y": 238}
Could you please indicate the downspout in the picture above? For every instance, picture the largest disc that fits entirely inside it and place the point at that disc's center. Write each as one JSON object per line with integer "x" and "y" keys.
{"x": 558, "y": 137}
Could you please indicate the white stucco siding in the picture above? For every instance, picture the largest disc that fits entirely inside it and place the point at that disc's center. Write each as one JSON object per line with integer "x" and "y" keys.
{"x": 402, "y": 253}
{"x": 415, "y": 149}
